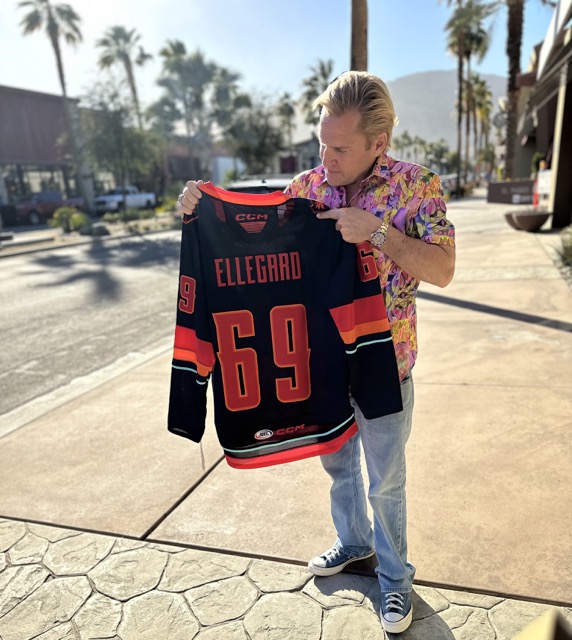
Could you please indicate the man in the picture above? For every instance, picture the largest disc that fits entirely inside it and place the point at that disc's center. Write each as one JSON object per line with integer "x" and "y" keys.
{"x": 398, "y": 207}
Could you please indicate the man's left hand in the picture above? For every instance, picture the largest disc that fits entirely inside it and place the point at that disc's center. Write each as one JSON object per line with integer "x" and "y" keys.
{"x": 355, "y": 225}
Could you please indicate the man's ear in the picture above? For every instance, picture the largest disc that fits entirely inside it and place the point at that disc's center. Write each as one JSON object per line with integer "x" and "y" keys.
{"x": 381, "y": 143}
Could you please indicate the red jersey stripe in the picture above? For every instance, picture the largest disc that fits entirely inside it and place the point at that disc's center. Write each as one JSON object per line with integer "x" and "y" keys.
{"x": 360, "y": 311}
{"x": 186, "y": 340}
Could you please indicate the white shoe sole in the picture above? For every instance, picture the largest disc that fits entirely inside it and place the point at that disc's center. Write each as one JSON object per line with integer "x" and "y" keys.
{"x": 325, "y": 571}
{"x": 398, "y": 627}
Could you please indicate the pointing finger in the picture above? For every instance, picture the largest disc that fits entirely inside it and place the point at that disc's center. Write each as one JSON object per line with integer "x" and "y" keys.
{"x": 332, "y": 215}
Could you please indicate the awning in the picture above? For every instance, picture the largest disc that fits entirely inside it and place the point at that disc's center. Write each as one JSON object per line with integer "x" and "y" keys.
{"x": 555, "y": 35}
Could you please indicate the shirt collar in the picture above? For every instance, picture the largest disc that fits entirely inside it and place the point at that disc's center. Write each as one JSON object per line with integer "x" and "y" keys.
{"x": 381, "y": 170}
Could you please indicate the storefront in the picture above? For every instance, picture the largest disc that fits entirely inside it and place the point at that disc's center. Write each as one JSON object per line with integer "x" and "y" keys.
{"x": 548, "y": 114}
{"x": 34, "y": 151}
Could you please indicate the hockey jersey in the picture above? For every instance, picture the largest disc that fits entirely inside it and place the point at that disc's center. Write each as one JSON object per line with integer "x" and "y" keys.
{"x": 288, "y": 319}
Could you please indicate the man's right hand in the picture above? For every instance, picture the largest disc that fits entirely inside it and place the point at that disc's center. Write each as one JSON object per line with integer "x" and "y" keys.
{"x": 190, "y": 197}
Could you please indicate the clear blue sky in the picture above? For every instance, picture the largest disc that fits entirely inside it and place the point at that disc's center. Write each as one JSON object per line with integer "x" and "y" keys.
{"x": 272, "y": 43}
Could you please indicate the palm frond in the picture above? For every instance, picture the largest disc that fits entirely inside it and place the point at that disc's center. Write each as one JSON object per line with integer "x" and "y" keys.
{"x": 31, "y": 22}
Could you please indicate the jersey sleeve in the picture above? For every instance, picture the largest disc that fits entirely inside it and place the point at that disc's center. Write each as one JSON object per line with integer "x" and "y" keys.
{"x": 358, "y": 310}
{"x": 193, "y": 352}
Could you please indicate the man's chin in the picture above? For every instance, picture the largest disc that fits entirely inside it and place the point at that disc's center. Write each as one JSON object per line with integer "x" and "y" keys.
{"x": 334, "y": 178}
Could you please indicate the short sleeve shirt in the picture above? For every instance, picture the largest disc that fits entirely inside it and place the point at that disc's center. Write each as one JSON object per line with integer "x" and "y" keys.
{"x": 411, "y": 196}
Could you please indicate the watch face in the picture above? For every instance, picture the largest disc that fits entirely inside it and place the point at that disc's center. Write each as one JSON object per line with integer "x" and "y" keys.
{"x": 378, "y": 237}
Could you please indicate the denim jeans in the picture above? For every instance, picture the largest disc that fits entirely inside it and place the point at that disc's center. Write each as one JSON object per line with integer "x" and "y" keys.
{"x": 383, "y": 442}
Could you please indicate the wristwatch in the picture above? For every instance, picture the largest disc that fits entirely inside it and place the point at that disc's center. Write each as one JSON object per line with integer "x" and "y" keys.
{"x": 379, "y": 236}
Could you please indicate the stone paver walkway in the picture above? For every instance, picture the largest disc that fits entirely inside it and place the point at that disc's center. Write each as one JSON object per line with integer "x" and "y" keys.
{"x": 60, "y": 584}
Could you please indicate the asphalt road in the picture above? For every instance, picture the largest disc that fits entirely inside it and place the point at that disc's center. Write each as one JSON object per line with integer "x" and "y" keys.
{"x": 65, "y": 313}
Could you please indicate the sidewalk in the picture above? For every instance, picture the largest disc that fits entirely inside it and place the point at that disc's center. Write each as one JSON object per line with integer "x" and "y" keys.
{"x": 112, "y": 528}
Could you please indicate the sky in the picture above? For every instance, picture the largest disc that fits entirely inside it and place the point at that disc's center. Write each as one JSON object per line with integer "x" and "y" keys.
{"x": 271, "y": 43}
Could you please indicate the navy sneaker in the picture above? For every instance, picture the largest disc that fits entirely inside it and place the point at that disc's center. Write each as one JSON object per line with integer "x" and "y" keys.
{"x": 333, "y": 561}
{"x": 396, "y": 611}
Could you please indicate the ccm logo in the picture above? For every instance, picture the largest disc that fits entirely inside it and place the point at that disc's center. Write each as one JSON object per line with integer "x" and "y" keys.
{"x": 251, "y": 217}
{"x": 281, "y": 432}
{"x": 264, "y": 434}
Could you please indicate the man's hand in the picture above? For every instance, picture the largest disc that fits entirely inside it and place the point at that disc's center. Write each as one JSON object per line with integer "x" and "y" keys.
{"x": 190, "y": 197}
{"x": 355, "y": 225}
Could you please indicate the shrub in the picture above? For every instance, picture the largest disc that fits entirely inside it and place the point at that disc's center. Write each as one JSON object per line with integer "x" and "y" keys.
{"x": 169, "y": 204}
{"x": 565, "y": 252}
{"x": 129, "y": 214}
{"x": 110, "y": 218}
{"x": 70, "y": 219}
{"x": 97, "y": 230}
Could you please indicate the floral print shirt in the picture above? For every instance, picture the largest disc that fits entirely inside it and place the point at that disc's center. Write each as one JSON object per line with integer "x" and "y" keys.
{"x": 412, "y": 197}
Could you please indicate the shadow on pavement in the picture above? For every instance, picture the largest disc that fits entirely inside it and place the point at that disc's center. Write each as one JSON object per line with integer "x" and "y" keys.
{"x": 142, "y": 252}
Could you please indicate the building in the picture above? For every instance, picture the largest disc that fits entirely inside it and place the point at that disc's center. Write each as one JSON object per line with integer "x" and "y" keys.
{"x": 545, "y": 125}
{"x": 34, "y": 151}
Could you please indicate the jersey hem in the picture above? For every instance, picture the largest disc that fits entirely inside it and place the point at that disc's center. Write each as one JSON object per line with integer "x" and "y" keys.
{"x": 291, "y": 455}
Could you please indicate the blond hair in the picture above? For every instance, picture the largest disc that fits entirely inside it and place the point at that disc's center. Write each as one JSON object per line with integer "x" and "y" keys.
{"x": 365, "y": 93}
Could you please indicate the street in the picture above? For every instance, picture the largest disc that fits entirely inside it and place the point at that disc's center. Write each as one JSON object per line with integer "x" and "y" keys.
{"x": 66, "y": 313}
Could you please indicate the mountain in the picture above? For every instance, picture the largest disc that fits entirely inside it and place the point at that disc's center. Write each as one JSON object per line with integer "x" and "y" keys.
{"x": 425, "y": 103}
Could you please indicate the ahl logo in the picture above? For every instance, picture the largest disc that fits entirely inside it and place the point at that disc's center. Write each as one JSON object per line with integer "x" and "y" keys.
{"x": 264, "y": 434}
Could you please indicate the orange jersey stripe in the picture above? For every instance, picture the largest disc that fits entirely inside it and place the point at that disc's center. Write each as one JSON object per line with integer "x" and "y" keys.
{"x": 184, "y": 354}
{"x": 274, "y": 198}
{"x": 366, "y": 329}
{"x": 191, "y": 356}
{"x": 291, "y": 455}
{"x": 360, "y": 311}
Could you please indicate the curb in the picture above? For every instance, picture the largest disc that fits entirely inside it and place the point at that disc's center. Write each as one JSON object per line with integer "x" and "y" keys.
{"x": 6, "y": 252}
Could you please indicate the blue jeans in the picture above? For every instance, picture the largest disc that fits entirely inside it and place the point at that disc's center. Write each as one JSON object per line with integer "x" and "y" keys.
{"x": 384, "y": 442}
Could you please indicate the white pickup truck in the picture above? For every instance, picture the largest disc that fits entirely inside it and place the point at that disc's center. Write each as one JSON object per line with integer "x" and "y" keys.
{"x": 128, "y": 197}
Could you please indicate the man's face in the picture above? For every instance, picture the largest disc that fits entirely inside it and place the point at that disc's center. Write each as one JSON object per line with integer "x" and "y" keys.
{"x": 344, "y": 149}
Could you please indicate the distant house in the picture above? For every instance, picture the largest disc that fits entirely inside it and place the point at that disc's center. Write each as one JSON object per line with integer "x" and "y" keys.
{"x": 303, "y": 155}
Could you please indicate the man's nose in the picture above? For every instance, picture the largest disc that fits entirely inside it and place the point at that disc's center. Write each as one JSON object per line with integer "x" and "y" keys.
{"x": 327, "y": 157}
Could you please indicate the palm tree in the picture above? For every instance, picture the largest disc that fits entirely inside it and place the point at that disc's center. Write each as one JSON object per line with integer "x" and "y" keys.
{"x": 286, "y": 111}
{"x": 477, "y": 41}
{"x": 482, "y": 108}
{"x": 456, "y": 46}
{"x": 313, "y": 86}
{"x": 186, "y": 79}
{"x": 406, "y": 142}
{"x": 358, "y": 58}
{"x": 59, "y": 21}
{"x": 119, "y": 46}
{"x": 513, "y": 46}
{"x": 467, "y": 38}
{"x": 437, "y": 154}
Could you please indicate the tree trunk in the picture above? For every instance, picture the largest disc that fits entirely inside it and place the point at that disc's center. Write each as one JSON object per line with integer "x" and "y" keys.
{"x": 513, "y": 46}
{"x": 459, "y": 116}
{"x": 133, "y": 88}
{"x": 476, "y": 137}
{"x": 75, "y": 148}
{"x": 358, "y": 61}
{"x": 468, "y": 106}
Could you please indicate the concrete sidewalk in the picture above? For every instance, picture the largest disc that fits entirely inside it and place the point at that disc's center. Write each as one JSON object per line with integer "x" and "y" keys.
{"x": 113, "y": 528}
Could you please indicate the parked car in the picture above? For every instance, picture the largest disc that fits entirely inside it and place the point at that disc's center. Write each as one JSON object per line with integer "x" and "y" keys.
{"x": 41, "y": 206}
{"x": 128, "y": 197}
{"x": 260, "y": 184}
